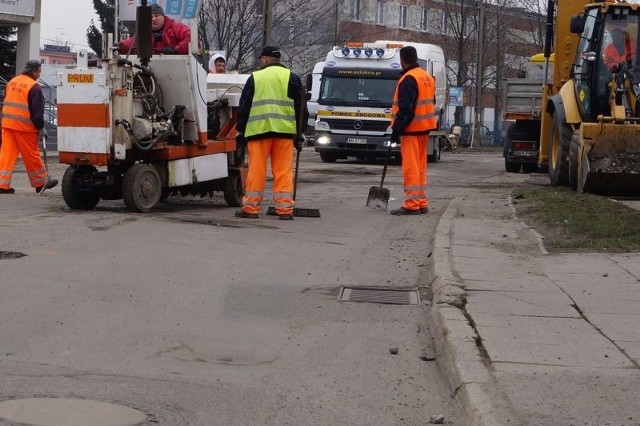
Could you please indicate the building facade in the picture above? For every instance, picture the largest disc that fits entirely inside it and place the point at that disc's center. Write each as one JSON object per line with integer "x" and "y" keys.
{"x": 510, "y": 36}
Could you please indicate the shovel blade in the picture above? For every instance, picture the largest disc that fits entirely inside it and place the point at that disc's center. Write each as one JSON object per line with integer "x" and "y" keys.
{"x": 378, "y": 198}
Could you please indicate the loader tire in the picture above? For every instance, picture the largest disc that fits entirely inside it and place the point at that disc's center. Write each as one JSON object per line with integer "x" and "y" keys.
{"x": 233, "y": 190}
{"x": 76, "y": 189}
{"x": 574, "y": 159}
{"x": 141, "y": 188}
{"x": 560, "y": 141}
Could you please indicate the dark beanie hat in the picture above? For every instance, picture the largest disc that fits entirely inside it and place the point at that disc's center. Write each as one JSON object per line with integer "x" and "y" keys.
{"x": 156, "y": 9}
{"x": 31, "y": 65}
{"x": 409, "y": 54}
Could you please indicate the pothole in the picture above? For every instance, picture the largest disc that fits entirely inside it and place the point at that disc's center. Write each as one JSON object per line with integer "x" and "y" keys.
{"x": 78, "y": 411}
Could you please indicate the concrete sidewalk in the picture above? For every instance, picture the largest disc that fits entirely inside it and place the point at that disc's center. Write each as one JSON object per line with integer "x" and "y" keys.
{"x": 529, "y": 338}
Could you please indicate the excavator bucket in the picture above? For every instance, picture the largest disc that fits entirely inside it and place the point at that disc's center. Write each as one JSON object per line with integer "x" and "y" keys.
{"x": 610, "y": 159}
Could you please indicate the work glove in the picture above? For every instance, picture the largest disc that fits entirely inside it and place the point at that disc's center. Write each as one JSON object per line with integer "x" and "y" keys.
{"x": 395, "y": 139}
{"x": 299, "y": 142}
{"x": 169, "y": 51}
{"x": 240, "y": 140}
{"x": 42, "y": 133}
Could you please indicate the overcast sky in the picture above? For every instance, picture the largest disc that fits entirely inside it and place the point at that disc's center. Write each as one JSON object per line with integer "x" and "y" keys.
{"x": 66, "y": 21}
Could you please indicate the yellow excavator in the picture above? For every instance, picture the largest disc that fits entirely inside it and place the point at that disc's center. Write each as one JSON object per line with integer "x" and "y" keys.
{"x": 590, "y": 123}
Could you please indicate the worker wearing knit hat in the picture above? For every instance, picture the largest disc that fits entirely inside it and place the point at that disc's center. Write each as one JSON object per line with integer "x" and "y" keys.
{"x": 169, "y": 36}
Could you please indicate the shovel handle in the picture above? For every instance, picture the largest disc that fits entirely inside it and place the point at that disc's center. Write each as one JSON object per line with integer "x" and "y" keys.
{"x": 386, "y": 163}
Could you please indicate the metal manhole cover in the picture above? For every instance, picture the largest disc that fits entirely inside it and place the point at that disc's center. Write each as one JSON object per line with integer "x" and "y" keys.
{"x": 379, "y": 295}
{"x": 11, "y": 255}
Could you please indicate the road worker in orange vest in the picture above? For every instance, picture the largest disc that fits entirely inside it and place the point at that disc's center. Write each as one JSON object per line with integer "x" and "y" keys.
{"x": 22, "y": 127}
{"x": 272, "y": 118}
{"x": 412, "y": 117}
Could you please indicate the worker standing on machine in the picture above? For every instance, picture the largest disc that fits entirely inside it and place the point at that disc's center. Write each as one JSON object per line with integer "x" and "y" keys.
{"x": 621, "y": 49}
{"x": 412, "y": 118}
{"x": 169, "y": 37}
{"x": 217, "y": 64}
{"x": 272, "y": 118}
{"x": 22, "y": 127}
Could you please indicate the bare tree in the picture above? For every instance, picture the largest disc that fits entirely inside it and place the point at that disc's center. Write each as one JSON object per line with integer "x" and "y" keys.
{"x": 302, "y": 29}
{"x": 458, "y": 35}
{"x": 233, "y": 26}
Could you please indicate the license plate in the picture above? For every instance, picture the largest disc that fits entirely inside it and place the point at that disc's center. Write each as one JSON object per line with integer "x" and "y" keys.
{"x": 520, "y": 153}
{"x": 359, "y": 141}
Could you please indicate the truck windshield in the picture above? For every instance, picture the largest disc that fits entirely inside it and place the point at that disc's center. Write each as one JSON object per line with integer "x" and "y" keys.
{"x": 365, "y": 91}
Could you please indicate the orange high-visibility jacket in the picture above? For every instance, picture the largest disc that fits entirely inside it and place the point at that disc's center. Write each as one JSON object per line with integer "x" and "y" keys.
{"x": 15, "y": 111}
{"x": 424, "y": 114}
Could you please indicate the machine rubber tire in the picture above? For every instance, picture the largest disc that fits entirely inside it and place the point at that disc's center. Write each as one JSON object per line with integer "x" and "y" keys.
{"x": 574, "y": 160}
{"x": 512, "y": 166}
{"x": 328, "y": 157}
{"x": 433, "y": 158}
{"x": 529, "y": 168}
{"x": 74, "y": 194}
{"x": 559, "y": 144}
{"x": 233, "y": 190}
{"x": 141, "y": 188}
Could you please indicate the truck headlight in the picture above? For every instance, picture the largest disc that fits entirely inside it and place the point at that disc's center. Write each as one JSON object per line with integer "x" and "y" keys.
{"x": 323, "y": 140}
{"x": 322, "y": 125}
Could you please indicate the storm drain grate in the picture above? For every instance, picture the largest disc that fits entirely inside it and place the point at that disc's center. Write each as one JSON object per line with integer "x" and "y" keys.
{"x": 379, "y": 295}
{"x": 11, "y": 255}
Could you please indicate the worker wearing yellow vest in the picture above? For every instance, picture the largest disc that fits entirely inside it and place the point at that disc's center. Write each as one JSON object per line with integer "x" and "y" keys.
{"x": 22, "y": 126}
{"x": 413, "y": 117}
{"x": 272, "y": 118}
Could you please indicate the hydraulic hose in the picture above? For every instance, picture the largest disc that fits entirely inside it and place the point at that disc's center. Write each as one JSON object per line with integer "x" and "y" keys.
{"x": 144, "y": 146}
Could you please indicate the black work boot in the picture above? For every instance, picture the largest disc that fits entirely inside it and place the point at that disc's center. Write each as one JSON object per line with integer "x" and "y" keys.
{"x": 7, "y": 191}
{"x": 404, "y": 212}
{"x": 424, "y": 210}
{"x": 50, "y": 183}
{"x": 285, "y": 216}
{"x": 243, "y": 214}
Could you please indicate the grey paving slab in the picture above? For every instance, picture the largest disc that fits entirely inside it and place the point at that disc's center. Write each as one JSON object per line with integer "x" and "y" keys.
{"x": 513, "y": 281}
{"x": 550, "y": 341}
{"x": 535, "y": 303}
{"x": 623, "y": 326}
{"x": 545, "y": 395}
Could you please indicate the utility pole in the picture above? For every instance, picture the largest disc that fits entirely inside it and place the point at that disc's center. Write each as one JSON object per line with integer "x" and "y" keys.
{"x": 267, "y": 22}
{"x": 475, "y": 139}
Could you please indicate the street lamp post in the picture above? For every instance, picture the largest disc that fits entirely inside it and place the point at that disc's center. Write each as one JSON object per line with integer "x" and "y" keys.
{"x": 475, "y": 139}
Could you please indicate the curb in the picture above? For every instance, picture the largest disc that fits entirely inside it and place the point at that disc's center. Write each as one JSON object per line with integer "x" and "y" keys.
{"x": 455, "y": 339}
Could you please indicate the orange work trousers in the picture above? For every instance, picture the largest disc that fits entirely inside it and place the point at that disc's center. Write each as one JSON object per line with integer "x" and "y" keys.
{"x": 413, "y": 149}
{"x": 15, "y": 142}
{"x": 281, "y": 152}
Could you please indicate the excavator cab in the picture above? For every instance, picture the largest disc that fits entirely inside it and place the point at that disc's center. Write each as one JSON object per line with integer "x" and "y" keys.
{"x": 594, "y": 138}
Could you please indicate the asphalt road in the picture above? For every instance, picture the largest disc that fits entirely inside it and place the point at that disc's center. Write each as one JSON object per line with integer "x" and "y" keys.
{"x": 196, "y": 317}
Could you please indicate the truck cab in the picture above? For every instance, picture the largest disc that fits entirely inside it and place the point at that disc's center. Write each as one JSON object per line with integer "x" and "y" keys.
{"x": 356, "y": 93}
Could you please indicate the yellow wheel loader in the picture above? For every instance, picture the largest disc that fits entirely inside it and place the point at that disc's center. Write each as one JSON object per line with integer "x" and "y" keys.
{"x": 590, "y": 125}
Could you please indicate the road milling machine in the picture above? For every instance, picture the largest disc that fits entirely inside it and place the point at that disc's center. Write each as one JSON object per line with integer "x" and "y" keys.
{"x": 590, "y": 125}
{"x": 147, "y": 127}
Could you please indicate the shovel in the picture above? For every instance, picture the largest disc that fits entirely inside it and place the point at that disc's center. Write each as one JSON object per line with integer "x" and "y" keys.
{"x": 43, "y": 139}
{"x": 378, "y": 196}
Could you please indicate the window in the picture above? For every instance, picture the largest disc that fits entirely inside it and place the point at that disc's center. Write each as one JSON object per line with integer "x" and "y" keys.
{"x": 380, "y": 13}
{"x": 424, "y": 15}
{"x": 445, "y": 23}
{"x": 403, "y": 16}
{"x": 356, "y": 10}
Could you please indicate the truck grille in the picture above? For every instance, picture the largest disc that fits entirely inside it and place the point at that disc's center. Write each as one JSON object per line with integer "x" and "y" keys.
{"x": 360, "y": 125}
